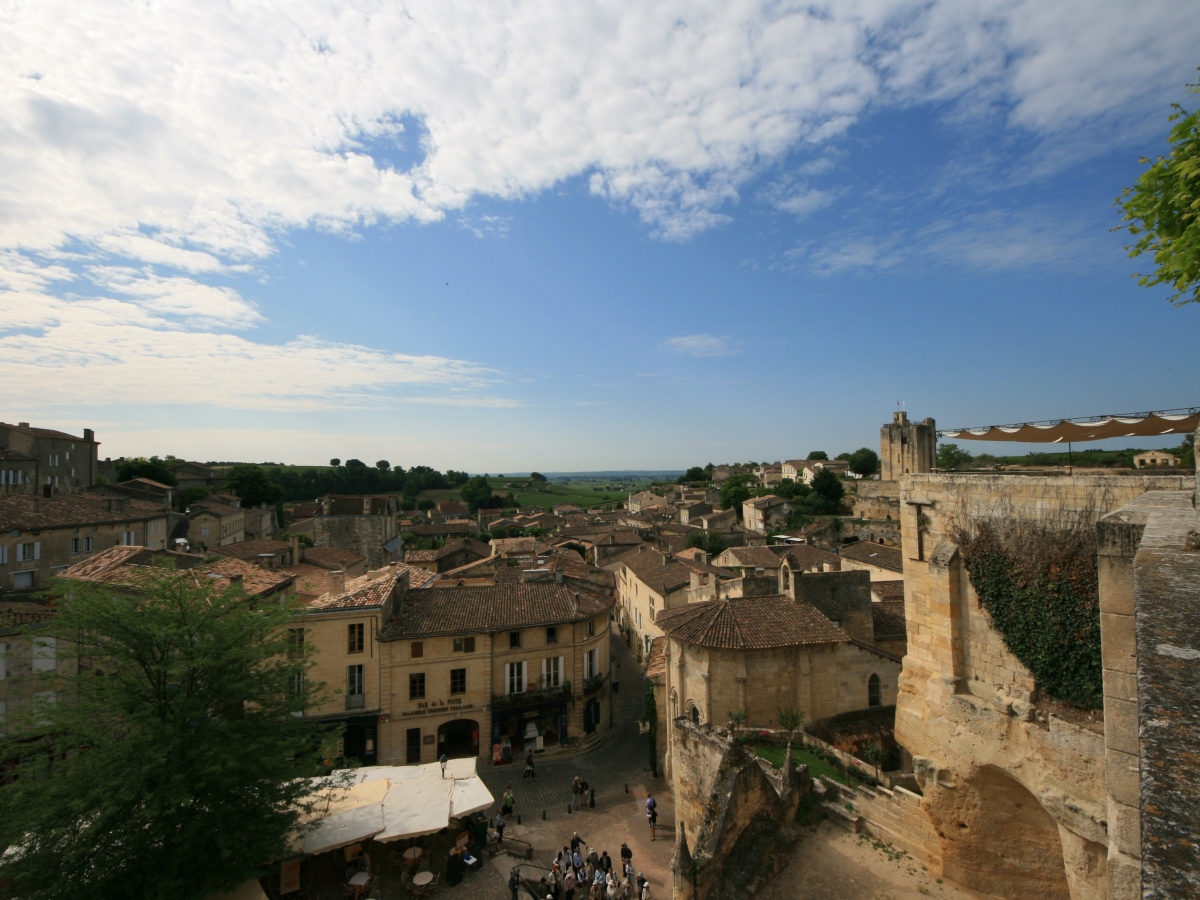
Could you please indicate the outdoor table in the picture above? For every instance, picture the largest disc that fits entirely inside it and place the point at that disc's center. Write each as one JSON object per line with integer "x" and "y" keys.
{"x": 422, "y": 878}
{"x": 413, "y": 854}
{"x": 359, "y": 881}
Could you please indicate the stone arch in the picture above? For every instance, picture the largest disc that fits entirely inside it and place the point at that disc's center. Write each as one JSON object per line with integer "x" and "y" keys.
{"x": 998, "y": 839}
{"x": 692, "y": 711}
{"x": 459, "y": 738}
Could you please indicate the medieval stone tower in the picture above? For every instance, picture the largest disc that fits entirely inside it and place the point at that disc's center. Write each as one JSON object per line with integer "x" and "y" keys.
{"x": 907, "y": 447}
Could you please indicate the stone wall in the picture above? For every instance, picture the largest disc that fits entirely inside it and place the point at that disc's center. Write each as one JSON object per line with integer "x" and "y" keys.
{"x": 1015, "y": 790}
{"x": 876, "y": 500}
{"x": 733, "y": 814}
{"x": 357, "y": 534}
{"x": 896, "y": 816}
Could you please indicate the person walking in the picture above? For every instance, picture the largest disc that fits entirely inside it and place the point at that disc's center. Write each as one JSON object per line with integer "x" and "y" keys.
{"x": 651, "y": 812}
{"x": 576, "y": 840}
{"x": 606, "y": 862}
{"x": 576, "y": 790}
{"x": 508, "y": 801}
{"x": 529, "y": 773}
{"x": 499, "y": 823}
{"x": 514, "y": 883}
{"x": 626, "y": 855}
{"x": 641, "y": 884}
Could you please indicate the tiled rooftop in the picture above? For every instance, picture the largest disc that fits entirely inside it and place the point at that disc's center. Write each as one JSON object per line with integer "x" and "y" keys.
{"x": 331, "y": 557}
{"x": 889, "y": 620}
{"x": 28, "y": 512}
{"x": 875, "y": 554}
{"x": 252, "y": 549}
{"x": 750, "y": 623}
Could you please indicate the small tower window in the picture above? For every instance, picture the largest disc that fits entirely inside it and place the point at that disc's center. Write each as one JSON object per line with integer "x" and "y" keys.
{"x": 873, "y": 695}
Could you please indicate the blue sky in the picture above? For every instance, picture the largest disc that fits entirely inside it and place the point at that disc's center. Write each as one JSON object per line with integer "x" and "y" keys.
{"x": 526, "y": 237}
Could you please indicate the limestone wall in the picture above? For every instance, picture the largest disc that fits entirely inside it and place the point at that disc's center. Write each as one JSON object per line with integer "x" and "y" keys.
{"x": 876, "y": 500}
{"x": 896, "y": 816}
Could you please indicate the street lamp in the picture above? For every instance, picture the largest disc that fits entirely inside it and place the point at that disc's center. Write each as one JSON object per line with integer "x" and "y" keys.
{"x": 442, "y": 760}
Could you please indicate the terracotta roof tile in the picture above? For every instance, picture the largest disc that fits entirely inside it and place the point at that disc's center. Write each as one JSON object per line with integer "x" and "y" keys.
{"x": 888, "y": 590}
{"x": 331, "y": 557}
{"x": 492, "y": 608}
{"x": 750, "y": 623}
{"x": 29, "y": 512}
{"x": 656, "y": 660}
{"x": 251, "y": 549}
{"x": 365, "y": 591}
{"x": 889, "y": 620}
{"x": 875, "y": 554}
{"x": 806, "y": 556}
{"x": 310, "y": 580}
{"x": 133, "y": 566}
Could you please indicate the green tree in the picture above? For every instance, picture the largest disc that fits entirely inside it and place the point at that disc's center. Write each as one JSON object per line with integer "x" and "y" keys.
{"x": 707, "y": 541}
{"x": 790, "y": 718}
{"x": 476, "y": 493}
{"x": 425, "y": 504}
{"x": 864, "y": 461}
{"x": 1160, "y": 211}
{"x": 951, "y": 457}
{"x": 171, "y": 766}
{"x": 383, "y": 465}
{"x": 875, "y": 756}
{"x": 828, "y": 486}
{"x": 153, "y": 468}
{"x": 537, "y": 476}
{"x": 251, "y": 483}
{"x": 355, "y": 464}
{"x": 1187, "y": 452}
{"x": 734, "y": 492}
{"x": 335, "y": 462}
{"x": 818, "y": 454}
{"x": 696, "y": 473}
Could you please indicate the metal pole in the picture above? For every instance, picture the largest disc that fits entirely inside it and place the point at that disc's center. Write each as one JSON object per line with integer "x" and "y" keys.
{"x": 1070, "y": 460}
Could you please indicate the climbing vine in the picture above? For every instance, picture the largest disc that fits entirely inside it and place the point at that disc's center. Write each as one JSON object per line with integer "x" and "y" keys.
{"x": 1038, "y": 582}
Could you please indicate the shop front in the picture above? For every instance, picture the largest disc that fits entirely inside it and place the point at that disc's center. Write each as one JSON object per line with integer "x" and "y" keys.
{"x": 520, "y": 728}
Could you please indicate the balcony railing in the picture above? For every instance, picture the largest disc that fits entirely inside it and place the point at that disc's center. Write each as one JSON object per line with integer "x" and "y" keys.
{"x": 533, "y": 696}
{"x": 591, "y": 685}
{"x": 356, "y": 701}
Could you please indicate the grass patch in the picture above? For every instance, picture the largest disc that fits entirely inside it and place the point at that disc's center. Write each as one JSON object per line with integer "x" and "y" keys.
{"x": 816, "y": 766}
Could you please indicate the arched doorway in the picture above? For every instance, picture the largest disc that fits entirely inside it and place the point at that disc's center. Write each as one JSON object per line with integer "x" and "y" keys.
{"x": 997, "y": 838}
{"x": 459, "y": 738}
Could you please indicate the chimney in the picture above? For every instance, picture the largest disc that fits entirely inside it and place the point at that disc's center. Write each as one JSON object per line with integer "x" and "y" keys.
{"x": 22, "y": 424}
{"x": 337, "y": 582}
{"x": 236, "y": 580}
{"x": 296, "y": 550}
{"x": 89, "y": 435}
{"x": 558, "y": 576}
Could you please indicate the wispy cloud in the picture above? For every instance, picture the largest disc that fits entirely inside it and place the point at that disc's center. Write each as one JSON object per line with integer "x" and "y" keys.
{"x": 702, "y": 345}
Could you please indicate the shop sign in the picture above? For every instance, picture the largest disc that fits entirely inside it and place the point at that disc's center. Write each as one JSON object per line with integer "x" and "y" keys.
{"x": 434, "y": 707}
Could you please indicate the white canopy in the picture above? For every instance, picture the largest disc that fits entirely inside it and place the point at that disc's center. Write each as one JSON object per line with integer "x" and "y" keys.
{"x": 389, "y": 803}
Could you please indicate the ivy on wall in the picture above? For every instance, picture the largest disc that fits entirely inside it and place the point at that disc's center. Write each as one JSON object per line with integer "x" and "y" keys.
{"x": 1039, "y": 584}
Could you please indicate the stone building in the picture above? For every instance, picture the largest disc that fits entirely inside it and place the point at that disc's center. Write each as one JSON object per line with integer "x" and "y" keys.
{"x": 1029, "y": 795}
{"x": 196, "y": 474}
{"x": 41, "y": 537}
{"x": 648, "y": 581}
{"x": 215, "y": 524}
{"x": 883, "y": 562}
{"x": 765, "y": 514}
{"x": 18, "y": 474}
{"x": 907, "y": 447}
{"x": 1155, "y": 459}
{"x": 22, "y": 658}
{"x": 362, "y": 524}
{"x": 758, "y": 655}
{"x": 494, "y": 671}
{"x": 65, "y": 463}
{"x": 451, "y": 555}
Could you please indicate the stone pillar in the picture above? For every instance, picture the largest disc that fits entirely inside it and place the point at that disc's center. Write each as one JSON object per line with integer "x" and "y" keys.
{"x": 682, "y": 867}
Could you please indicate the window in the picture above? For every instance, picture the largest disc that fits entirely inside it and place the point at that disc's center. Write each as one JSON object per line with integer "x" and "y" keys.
{"x": 88, "y": 543}
{"x": 416, "y": 686}
{"x": 74, "y": 546}
{"x": 514, "y": 640}
{"x": 416, "y": 649}
{"x": 458, "y": 681}
{"x": 295, "y": 688}
{"x": 552, "y": 672}
{"x": 3, "y": 554}
{"x": 464, "y": 645}
{"x": 45, "y": 654}
{"x": 695, "y": 715}
{"x": 203, "y": 531}
{"x": 354, "y": 681}
{"x": 295, "y": 642}
{"x": 873, "y": 694}
{"x": 592, "y": 623}
{"x": 514, "y": 677}
{"x": 357, "y": 644}
{"x": 552, "y": 635}
{"x": 3, "y": 661}
{"x": 591, "y": 662}
{"x": 27, "y": 552}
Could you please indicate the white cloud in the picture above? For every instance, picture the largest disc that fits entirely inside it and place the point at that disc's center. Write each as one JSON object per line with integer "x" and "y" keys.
{"x": 702, "y": 345}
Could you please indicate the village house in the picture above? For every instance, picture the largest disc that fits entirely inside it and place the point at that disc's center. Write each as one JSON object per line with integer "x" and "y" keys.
{"x": 723, "y": 473}
{"x": 195, "y": 474}
{"x": 362, "y": 524}
{"x": 883, "y": 562}
{"x": 451, "y": 555}
{"x": 765, "y": 514}
{"x": 644, "y": 500}
{"x": 18, "y": 473}
{"x": 40, "y": 537}
{"x": 1155, "y": 458}
{"x": 688, "y": 512}
{"x": 648, "y": 581}
{"x": 839, "y": 467}
{"x": 65, "y": 463}
{"x": 259, "y": 522}
{"x": 494, "y": 670}
{"x": 271, "y": 555}
{"x": 214, "y": 524}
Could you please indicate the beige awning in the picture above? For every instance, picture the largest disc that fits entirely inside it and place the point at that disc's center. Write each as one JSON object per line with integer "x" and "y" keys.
{"x": 1094, "y": 428}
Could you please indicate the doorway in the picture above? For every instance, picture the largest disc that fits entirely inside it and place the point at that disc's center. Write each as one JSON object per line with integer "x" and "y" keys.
{"x": 458, "y": 739}
{"x": 413, "y": 755}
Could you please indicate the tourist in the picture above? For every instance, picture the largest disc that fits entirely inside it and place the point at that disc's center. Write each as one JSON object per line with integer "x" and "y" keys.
{"x": 529, "y": 773}
{"x": 499, "y": 823}
{"x": 592, "y": 858}
{"x": 508, "y": 801}
{"x": 645, "y": 891}
{"x": 576, "y": 790}
{"x": 514, "y": 883}
{"x": 610, "y": 884}
{"x": 569, "y": 884}
{"x": 626, "y": 855}
{"x": 577, "y": 859}
{"x": 576, "y": 840}
{"x": 641, "y": 884}
{"x": 651, "y": 812}
{"x": 606, "y": 862}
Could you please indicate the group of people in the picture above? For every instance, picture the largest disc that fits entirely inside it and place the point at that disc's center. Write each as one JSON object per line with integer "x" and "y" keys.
{"x": 580, "y": 873}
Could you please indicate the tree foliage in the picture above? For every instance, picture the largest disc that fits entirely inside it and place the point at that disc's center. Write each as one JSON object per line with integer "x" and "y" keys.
{"x": 818, "y": 454}
{"x": 826, "y": 484}
{"x": 1161, "y": 210}
{"x": 710, "y": 543}
{"x": 252, "y": 484}
{"x": 537, "y": 476}
{"x": 696, "y": 473}
{"x": 148, "y": 467}
{"x": 170, "y": 766}
{"x": 476, "y": 493}
{"x": 864, "y": 461}
{"x": 735, "y": 491}
{"x": 951, "y": 458}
